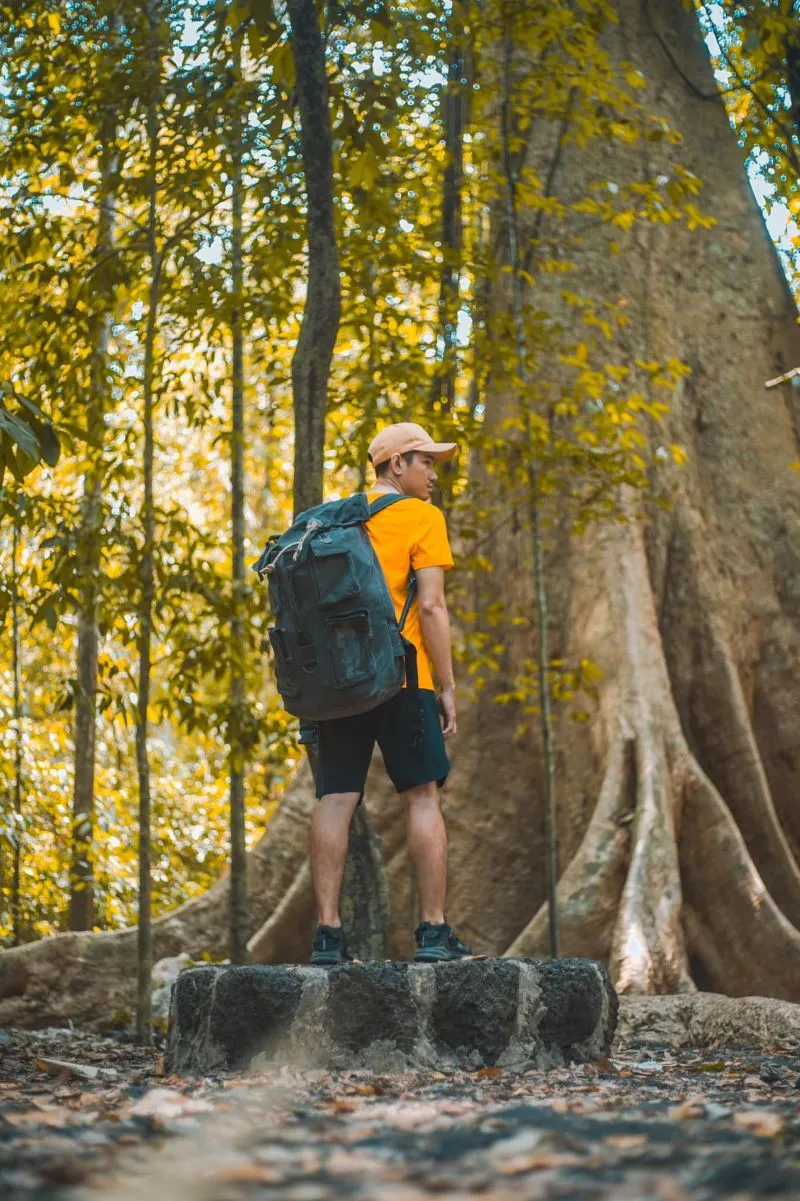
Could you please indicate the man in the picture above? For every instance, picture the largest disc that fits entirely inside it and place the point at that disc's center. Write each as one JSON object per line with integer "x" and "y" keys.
{"x": 408, "y": 535}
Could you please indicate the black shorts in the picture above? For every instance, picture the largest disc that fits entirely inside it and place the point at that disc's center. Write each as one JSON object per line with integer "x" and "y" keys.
{"x": 413, "y": 756}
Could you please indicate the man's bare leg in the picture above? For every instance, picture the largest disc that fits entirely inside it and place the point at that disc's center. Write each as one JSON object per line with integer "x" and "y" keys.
{"x": 427, "y": 849}
{"x": 330, "y": 831}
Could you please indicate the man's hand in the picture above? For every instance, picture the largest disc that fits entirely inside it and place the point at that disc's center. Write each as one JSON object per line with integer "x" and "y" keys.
{"x": 447, "y": 707}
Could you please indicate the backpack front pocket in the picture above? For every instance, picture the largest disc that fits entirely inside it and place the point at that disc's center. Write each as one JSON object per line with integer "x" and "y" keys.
{"x": 334, "y": 573}
{"x": 349, "y": 638}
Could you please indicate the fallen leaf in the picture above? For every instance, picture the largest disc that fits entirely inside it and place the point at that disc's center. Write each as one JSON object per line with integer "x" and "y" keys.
{"x": 246, "y": 1173}
{"x": 353, "y": 1163}
{"x": 760, "y": 1122}
{"x": 362, "y": 1090}
{"x": 625, "y": 1142}
{"x": 538, "y": 1161}
{"x": 44, "y": 1117}
{"x": 165, "y": 1103}
{"x": 61, "y": 1067}
{"x": 713, "y": 1065}
{"x": 605, "y": 1066}
{"x": 491, "y": 1073}
{"x": 692, "y": 1107}
{"x": 159, "y": 1068}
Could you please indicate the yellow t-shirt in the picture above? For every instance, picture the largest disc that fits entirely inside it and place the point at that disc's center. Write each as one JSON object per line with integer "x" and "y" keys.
{"x": 410, "y": 534}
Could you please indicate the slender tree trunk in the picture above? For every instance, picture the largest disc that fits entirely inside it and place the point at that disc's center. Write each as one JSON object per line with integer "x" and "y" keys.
{"x": 365, "y": 896}
{"x": 238, "y": 887}
{"x": 81, "y": 895}
{"x": 792, "y": 45}
{"x": 312, "y": 358}
{"x": 145, "y": 934}
{"x": 455, "y": 100}
{"x": 17, "y": 816}
{"x": 511, "y": 173}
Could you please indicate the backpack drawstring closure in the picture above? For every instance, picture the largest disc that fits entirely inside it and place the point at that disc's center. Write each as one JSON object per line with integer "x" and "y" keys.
{"x": 297, "y": 547}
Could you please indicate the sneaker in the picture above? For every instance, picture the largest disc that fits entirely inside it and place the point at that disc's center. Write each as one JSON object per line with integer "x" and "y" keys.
{"x": 435, "y": 943}
{"x": 330, "y": 947}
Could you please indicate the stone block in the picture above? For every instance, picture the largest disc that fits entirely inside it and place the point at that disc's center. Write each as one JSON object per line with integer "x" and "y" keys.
{"x": 473, "y": 1013}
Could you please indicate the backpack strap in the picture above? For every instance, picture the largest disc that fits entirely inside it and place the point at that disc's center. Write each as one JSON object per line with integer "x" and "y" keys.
{"x": 412, "y": 676}
{"x": 377, "y": 506}
{"x": 384, "y": 501}
{"x": 410, "y": 594}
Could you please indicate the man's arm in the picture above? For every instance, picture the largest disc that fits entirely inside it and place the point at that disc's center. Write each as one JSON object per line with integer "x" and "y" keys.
{"x": 435, "y": 625}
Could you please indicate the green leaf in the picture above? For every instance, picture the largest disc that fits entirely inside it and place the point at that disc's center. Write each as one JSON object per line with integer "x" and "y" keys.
{"x": 20, "y": 432}
{"x": 50, "y": 447}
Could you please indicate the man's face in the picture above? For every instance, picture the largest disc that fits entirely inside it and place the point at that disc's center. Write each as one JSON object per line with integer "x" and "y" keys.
{"x": 418, "y": 478}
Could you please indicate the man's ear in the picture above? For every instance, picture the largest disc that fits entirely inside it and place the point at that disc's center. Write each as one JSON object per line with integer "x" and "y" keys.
{"x": 395, "y": 463}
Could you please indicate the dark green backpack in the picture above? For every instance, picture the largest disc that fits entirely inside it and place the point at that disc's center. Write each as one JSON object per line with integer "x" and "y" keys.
{"x": 338, "y": 648}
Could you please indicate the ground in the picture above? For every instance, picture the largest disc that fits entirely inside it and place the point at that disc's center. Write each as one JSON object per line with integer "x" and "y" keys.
{"x": 654, "y": 1123}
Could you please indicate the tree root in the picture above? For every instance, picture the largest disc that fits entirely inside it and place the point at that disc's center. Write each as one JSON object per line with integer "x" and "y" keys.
{"x": 740, "y": 942}
{"x": 681, "y": 890}
{"x": 720, "y": 732}
{"x": 91, "y": 977}
{"x": 589, "y": 891}
{"x": 274, "y": 942}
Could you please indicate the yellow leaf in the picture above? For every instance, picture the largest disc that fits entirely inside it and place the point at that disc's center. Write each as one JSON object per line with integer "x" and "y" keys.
{"x": 54, "y": 21}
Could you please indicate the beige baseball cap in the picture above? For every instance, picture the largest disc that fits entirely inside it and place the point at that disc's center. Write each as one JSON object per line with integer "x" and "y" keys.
{"x": 405, "y": 436}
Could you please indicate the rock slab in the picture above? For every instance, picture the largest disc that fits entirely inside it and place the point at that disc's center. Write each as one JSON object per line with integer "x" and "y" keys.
{"x": 708, "y": 1020}
{"x": 472, "y": 1013}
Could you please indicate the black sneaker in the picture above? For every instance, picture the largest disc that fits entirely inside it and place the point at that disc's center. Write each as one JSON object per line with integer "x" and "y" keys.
{"x": 330, "y": 947}
{"x": 435, "y": 943}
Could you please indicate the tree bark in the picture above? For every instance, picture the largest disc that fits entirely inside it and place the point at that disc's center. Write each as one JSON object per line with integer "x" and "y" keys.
{"x": 89, "y": 534}
{"x": 365, "y": 899}
{"x": 238, "y": 913}
{"x": 685, "y": 875}
{"x": 312, "y": 358}
{"x": 534, "y": 500}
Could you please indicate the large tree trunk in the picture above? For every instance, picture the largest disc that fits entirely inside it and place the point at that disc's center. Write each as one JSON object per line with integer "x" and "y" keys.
{"x": 686, "y": 874}
{"x": 678, "y": 825}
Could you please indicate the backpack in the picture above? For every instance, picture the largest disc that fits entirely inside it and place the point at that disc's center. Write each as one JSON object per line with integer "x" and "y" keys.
{"x": 337, "y": 646}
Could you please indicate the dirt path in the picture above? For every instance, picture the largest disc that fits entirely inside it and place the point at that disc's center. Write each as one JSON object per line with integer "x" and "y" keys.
{"x": 656, "y": 1124}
